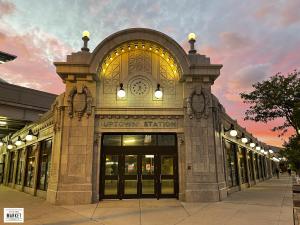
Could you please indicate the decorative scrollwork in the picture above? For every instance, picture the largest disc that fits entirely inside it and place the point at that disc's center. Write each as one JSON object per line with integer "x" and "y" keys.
{"x": 197, "y": 104}
{"x": 80, "y": 102}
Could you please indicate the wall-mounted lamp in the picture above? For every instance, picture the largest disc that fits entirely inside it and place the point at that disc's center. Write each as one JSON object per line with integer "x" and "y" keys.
{"x": 158, "y": 93}
{"x": 252, "y": 144}
{"x": 19, "y": 141}
{"x": 30, "y": 136}
{"x": 121, "y": 92}
{"x": 9, "y": 146}
{"x": 244, "y": 139}
{"x": 232, "y": 131}
{"x": 257, "y": 148}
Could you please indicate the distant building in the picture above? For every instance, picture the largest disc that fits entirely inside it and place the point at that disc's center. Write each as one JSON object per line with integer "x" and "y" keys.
{"x": 20, "y": 106}
{"x": 137, "y": 120}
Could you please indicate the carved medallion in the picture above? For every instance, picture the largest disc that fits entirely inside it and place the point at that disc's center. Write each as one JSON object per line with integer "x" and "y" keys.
{"x": 197, "y": 103}
{"x": 80, "y": 102}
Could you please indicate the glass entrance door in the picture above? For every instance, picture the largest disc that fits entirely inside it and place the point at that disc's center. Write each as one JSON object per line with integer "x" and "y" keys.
{"x": 167, "y": 176}
{"x": 139, "y": 171}
{"x": 112, "y": 170}
{"x": 148, "y": 176}
{"x": 138, "y": 177}
{"x": 129, "y": 176}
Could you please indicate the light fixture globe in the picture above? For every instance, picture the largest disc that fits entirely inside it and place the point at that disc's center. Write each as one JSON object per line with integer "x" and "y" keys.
{"x": 1, "y": 143}
{"x": 252, "y": 144}
{"x": 121, "y": 92}
{"x": 85, "y": 34}
{"x": 262, "y": 151}
{"x": 18, "y": 142}
{"x": 192, "y": 36}
{"x": 244, "y": 140}
{"x": 233, "y": 133}
{"x": 257, "y": 148}
{"x": 29, "y": 137}
{"x": 158, "y": 93}
{"x": 9, "y": 146}
{"x": 271, "y": 151}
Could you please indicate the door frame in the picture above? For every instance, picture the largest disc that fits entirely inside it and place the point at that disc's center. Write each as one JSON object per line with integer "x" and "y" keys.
{"x": 121, "y": 151}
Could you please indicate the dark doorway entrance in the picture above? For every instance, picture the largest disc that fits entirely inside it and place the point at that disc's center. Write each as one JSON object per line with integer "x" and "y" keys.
{"x": 139, "y": 166}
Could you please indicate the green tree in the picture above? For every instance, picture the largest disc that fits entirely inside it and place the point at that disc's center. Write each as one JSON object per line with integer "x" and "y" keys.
{"x": 292, "y": 152}
{"x": 275, "y": 98}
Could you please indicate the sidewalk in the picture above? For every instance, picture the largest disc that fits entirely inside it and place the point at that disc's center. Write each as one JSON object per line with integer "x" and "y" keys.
{"x": 268, "y": 203}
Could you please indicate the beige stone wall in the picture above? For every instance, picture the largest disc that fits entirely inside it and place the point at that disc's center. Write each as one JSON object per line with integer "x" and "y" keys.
{"x": 90, "y": 107}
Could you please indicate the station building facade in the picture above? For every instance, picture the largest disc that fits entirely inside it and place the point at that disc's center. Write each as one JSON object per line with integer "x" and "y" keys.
{"x": 137, "y": 120}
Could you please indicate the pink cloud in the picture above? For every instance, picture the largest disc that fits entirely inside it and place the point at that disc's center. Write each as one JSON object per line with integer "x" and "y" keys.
{"x": 284, "y": 13}
{"x": 33, "y": 67}
{"x": 234, "y": 40}
{"x": 6, "y": 8}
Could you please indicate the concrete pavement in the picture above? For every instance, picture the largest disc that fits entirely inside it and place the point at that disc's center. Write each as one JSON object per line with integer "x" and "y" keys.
{"x": 267, "y": 203}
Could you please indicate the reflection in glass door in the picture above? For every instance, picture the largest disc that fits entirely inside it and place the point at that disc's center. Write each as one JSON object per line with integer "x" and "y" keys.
{"x": 111, "y": 185}
{"x": 130, "y": 177}
{"x": 167, "y": 175}
{"x": 148, "y": 176}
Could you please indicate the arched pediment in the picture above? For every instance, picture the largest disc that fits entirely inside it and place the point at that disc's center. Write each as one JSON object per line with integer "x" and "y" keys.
{"x": 162, "y": 41}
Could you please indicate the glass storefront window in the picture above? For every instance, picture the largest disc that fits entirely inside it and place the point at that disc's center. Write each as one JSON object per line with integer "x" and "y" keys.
{"x": 2, "y": 168}
{"x": 243, "y": 168}
{"x": 20, "y": 168}
{"x": 139, "y": 140}
{"x": 231, "y": 160}
{"x": 166, "y": 140}
{"x": 44, "y": 164}
{"x": 250, "y": 163}
{"x": 30, "y": 165}
{"x": 255, "y": 160}
{"x": 112, "y": 140}
{"x": 12, "y": 167}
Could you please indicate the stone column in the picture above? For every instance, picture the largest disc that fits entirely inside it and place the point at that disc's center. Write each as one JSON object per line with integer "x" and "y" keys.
{"x": 203, "y": 154}
{"x": 72, "y": 169}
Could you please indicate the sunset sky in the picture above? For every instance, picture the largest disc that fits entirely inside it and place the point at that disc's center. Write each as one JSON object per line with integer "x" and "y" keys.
{"x": 253, "y": 39}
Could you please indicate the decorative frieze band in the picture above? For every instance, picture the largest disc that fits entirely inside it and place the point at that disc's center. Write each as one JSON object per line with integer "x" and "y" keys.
{"x": 141, "y": 116}
{"x": 140, "y": 121}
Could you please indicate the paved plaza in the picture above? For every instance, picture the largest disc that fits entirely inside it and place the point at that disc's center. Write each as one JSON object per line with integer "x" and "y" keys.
{"x": 267, "y": 203}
